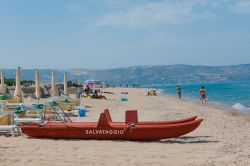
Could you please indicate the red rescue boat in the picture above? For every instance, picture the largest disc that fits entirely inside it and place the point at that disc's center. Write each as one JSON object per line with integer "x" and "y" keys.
{"x": 107, "y": 130}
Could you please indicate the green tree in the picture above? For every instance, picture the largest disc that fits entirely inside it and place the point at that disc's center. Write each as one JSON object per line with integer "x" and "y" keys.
{"x": 11, "y": 82}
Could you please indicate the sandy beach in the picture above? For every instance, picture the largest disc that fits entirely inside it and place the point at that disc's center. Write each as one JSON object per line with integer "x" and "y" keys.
{"x": 223, "y": 138}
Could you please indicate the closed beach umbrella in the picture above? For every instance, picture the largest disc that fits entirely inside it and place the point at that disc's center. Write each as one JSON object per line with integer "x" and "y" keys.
{"x": 2, "y": 82}
{"x": 53, "y": 85}
{"x": 37, "y": 85}
{"x": 17, "y": 93}
{"x": 65, "y": 80}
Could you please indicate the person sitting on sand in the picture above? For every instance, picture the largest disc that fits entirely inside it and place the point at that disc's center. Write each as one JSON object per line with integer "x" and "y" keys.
{"x": 86, "y": 92}
{"x": 203, "y": 95}
{"x": 96, "y": 96}
{"x": 86, "y": 89}
{"x": 154, "y": 92}
{"x": 178, "y": 89}
{"x": 151, "y": 93}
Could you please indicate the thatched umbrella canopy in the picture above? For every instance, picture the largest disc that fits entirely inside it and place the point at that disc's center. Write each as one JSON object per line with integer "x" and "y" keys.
{"x": 2, "y": 82}
{"x": 53, "y": 85}
{"x": 18, "y": 93}
{"x": 65, "y": 81}
{"x": 37, "y": 85}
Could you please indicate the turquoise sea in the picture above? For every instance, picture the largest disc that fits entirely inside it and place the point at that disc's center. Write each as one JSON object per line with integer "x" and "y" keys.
{"x": 231, "y": 94}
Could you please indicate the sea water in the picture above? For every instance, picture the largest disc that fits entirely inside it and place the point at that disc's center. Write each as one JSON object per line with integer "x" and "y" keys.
{"x": 231, "y": 94}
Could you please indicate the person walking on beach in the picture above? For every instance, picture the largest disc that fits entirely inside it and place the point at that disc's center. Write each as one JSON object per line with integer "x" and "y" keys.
{"x": 178, "y": 89}
{"x": 203, "y": 95}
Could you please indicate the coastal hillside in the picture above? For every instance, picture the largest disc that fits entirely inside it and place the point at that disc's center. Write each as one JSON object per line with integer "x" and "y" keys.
{"x": 148, "y": 75}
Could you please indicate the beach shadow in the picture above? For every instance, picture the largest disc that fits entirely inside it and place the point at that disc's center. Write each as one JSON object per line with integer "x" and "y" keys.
{"x": 178, "y": 140}
{"x": 87, "y": 106}
{"x": 4, "y": 147}
{"x": 188, "y": 140}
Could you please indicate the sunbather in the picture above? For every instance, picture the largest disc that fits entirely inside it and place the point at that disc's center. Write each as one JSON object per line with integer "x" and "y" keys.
{"x": 96, "y": 96}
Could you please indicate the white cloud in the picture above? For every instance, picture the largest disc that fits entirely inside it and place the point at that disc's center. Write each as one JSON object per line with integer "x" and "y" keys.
{"x": 242, "y": 7}
{"x": 158, "y": 13}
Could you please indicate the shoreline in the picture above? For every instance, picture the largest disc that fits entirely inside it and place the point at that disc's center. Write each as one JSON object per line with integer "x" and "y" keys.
{"x": 225, "y": 94}
{"x": 219, "y": 105}
{"x": 227, "y": 110}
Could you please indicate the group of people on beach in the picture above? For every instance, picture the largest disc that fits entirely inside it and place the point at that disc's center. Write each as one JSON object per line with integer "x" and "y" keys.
{"x": 88, "y": 92}
{"x": 202, "y": 93}
{"x": 152, "y": 93}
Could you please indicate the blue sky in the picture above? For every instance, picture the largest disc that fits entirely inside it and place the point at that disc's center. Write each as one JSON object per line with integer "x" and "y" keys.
{"x": 98, "y": 34}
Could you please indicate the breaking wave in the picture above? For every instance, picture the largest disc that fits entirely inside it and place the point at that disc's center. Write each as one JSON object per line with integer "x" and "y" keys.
{"x": 241, "y": 107}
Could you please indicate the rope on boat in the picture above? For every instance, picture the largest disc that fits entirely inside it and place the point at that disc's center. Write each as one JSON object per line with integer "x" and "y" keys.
{"x": 131, "y": 126}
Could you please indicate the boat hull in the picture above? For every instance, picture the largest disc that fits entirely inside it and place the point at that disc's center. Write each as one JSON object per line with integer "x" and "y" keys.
{"x": 115, "y": 132}
{"x": 105, "y": 129}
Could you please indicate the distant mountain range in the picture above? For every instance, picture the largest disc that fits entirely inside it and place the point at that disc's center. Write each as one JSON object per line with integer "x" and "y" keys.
{"x": 147, "y": 75}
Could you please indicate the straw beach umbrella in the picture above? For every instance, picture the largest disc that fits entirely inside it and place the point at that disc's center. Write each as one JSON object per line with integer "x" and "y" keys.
{"x": 53, "y": 85}
{"x": 37, "y": 85}
{"x": 17, "y": 93}
{"x": 65, "y": 80}
{"x": 2, "y": 82}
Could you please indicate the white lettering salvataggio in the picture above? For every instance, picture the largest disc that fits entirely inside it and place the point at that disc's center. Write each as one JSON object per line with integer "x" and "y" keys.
{"x": 102, "y": 132}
